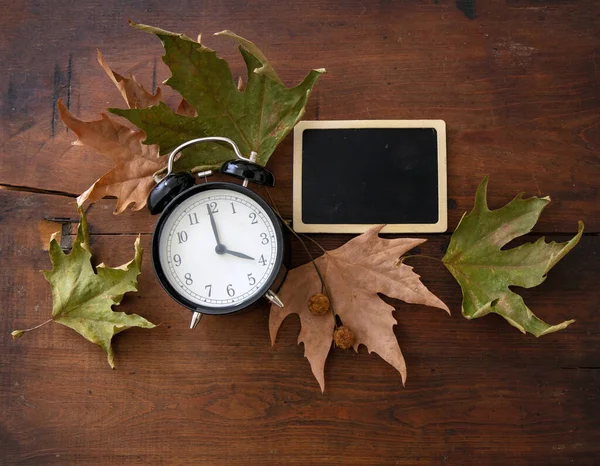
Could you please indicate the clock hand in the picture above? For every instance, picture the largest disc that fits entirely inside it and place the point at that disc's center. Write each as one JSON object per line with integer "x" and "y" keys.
{"x": 237, "y": 254}
{"x": 220, "y": 248}
{"x": 214, "y": 226}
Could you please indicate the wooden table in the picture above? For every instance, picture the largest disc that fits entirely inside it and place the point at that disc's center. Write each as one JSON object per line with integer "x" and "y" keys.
{"x": 517, "y": 82}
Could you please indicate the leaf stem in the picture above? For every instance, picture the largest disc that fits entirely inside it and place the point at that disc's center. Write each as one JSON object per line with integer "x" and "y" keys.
{"x": 314, "y": 242}
{"x": 18, "y": 333}
{"x": 38, "y": 326}
{"x": 323, "y": 284}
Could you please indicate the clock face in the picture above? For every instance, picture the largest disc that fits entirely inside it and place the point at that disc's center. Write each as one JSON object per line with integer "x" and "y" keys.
{"x": 217, "y": 248}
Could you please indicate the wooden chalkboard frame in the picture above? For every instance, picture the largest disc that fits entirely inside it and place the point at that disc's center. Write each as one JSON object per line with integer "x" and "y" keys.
{"x": 438, "y": 125}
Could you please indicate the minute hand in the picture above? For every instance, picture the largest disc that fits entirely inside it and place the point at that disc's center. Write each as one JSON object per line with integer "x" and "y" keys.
{"x": 238, "y": 254}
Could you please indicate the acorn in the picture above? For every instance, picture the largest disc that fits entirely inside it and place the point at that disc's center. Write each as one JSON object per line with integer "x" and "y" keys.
{"x": 344, "y": 337}
{"x": 318, "y": 304}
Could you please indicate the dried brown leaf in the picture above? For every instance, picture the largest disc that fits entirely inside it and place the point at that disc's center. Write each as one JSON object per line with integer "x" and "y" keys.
{"x": 130, "y": 180}
{"x": 134, "y": 93}
{"x": 354, "y": 273}
{"x": 185, "y": 109}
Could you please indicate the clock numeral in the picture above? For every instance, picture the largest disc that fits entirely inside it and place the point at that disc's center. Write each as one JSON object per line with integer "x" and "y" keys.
{"x": 209, "y": 288}
{"x": 251, "y": 279}
{"x": 262, "y": 260}
{"x": 230, "y": 290}
{"x": 182, "y": 236}
{"x": 188, "y": 279}
{"x": 177, "y": 260}
{"x": 193, "y": 218}
{"x": 253, "y": 217}
{"x": 213, "y": 207}
{"x": 233, "y": 209}
{"x": 265, "y": 238}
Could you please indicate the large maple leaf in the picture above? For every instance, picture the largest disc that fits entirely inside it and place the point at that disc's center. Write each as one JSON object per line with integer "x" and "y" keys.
{"x": 257, "y": 118}
{"x": 82, "y": 298}
{"x": 354, "y": 274}
{"x": 485, "y": 271}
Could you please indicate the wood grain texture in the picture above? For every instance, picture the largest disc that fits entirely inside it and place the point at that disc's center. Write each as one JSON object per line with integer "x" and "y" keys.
{"x": 518, "y": 88}
{"x": 182, "y": 396}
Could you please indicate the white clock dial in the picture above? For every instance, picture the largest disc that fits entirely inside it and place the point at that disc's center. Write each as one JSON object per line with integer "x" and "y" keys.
{"x": 223, "y": 261}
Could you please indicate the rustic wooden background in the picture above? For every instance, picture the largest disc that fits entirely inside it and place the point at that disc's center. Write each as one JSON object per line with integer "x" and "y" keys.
{"x": 518, "y": 84}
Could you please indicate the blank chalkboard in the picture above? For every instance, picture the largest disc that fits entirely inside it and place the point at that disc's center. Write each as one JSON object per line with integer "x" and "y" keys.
{"x": 350, "y": 175}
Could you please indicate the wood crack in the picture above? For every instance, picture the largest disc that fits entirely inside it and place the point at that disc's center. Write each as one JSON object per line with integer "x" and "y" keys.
{"x": 30, "y": 189}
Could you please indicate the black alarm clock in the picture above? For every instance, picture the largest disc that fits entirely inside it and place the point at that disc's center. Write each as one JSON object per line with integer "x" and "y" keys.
{"x": 217, "y": 247}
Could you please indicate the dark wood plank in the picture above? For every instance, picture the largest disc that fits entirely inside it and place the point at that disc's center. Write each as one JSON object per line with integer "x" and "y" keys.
{"x": 223, "y": 395}
{"x": 517, "y": 85}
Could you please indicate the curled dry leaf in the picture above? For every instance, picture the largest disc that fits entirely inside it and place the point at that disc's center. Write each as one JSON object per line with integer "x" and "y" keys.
{"x": 130, "y": 181}
{"x": 134, "y": 93}
{"x": 485, "y": 272}
{"x": 265, "y": 68}
{"x": 354, "y": 274}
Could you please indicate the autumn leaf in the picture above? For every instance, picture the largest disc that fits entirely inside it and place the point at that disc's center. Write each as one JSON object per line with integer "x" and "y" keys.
{"x": 130, "y": 181}
{"x": 354, "y": 274}
{"x": 257, "y": 118}
{"x": 485, "y": 272}
{"x": 82, "y": 299}
{"x": 134, "y": 93}
{"x": 185, "y": 109}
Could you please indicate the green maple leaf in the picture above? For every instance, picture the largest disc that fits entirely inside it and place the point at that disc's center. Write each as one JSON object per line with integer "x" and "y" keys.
{"x": 257, "y": 118}
{"x": 485, "y": 272}
{"x": 82, "y": 299}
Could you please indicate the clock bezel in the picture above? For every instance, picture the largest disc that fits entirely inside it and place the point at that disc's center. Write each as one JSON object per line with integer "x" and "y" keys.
{"x": 172, "y": 291}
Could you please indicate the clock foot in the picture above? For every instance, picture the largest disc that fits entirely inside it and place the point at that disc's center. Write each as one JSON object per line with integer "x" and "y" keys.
{"x": 273, "y": 298}
{"x": 195, "y": 319}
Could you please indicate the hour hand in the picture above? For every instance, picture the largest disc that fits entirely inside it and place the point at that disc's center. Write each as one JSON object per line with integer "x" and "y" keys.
{"x": 213, "y": 225}
{"x": 238, "y": 254}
